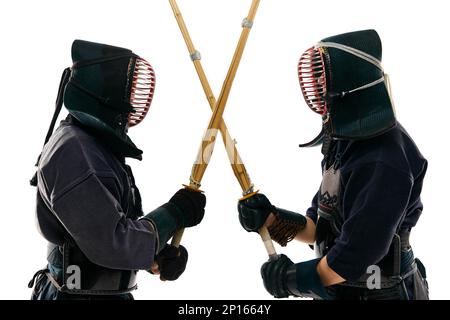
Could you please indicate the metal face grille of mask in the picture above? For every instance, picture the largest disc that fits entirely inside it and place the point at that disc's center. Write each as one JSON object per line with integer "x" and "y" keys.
{"x": 142, "y": 91}
{"x": 313, "y": 81}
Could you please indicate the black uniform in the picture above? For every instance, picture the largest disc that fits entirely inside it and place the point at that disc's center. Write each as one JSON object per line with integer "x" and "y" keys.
{"x": 87, "y": 199}
{"x": 369, "y": 198}
{"x": 377, "y": 198}
{"x": 88, "y": 206}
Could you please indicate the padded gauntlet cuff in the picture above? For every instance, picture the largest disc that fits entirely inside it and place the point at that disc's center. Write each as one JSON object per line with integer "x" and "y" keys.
{"x": 286, "y": 226}
{"x": 302, "y": 280}
{"x": 166, "y": 221}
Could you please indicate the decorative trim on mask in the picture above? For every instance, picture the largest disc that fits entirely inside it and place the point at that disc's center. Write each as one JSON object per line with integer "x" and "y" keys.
{"x": 360, "y": 54}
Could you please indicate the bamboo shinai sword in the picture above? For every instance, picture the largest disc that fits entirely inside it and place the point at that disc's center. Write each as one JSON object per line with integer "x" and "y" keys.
{"x": 236, "y": 162}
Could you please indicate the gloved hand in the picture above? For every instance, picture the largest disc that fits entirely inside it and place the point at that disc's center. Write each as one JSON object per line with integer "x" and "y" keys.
{"x": 254, "y": 211}
{"x": 191, "y": 206}
{"x": 283, "y": 225}
{"x": 171, "y": 262}
{"x": 185, "y": 209}
{"x": 282, "y": 278}
{"x": 274, "y": 274}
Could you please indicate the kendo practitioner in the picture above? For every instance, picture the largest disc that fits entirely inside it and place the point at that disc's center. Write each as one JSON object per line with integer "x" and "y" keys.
{"x": 88, "y": 207}
{"x": 369, "y": 200}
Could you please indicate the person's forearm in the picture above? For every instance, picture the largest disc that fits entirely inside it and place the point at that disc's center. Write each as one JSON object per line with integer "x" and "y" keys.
{"x": 308, "y": 234}
{"x": 327, "y": 275}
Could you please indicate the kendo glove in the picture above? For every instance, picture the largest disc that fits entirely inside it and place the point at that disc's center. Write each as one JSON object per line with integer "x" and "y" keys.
{"x": 172, "y": 262}
{"x": 254, "y": 211}
{"x": 274, "y": 274}
{"x": 185, "y": 209}
{"x": 191, "y": 204}
{"x": 282, "y": 278}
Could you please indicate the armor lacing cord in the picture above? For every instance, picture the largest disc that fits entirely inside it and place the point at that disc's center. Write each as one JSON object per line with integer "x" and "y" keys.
{"x": 59, "y": 102}
{"x": 367, "y": 86}
{"x": 360, "y": 54}
{"x": 327, "y": 139}
{"x": 36, "y": 276}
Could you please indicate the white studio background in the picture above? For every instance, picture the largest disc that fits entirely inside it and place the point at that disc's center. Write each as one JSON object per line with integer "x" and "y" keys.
{"x": 265, "y": 112}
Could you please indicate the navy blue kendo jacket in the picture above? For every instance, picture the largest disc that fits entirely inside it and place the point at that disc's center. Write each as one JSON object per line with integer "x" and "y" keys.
{"x": 86, "y": 195}
{"x": 381, "y": 181}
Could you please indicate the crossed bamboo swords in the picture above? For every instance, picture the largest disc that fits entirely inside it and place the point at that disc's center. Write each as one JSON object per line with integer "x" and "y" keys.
{"x": 216, "y": 122}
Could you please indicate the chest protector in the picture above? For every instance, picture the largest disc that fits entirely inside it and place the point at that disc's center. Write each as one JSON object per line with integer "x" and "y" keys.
{"x": 329, "y": 222}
